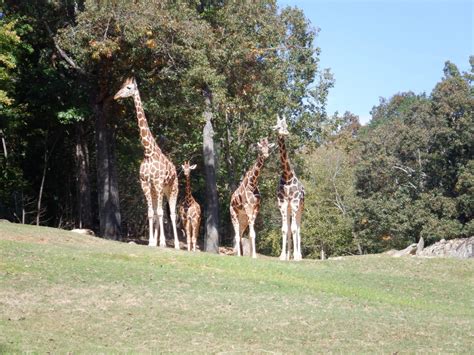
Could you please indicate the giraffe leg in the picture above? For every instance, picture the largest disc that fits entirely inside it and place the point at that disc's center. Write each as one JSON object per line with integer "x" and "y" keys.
{"x": 294, "y": 234}
{"x": 188, "y": 234}
{"x": 182, "y": 218}
{"x": 252, "y": 216}
{"x": 195, "y": 232}
{"x": 172, "y": 199}
{"x": 235, "y": 223}
{"x": 288, "y": 235}
{"x": 299, "y": 213}
{"x": 253, "y": 251}
{"x": 149, "y": 199}
{"x": 283, "y": 205}
{"x": 159, "y": 213}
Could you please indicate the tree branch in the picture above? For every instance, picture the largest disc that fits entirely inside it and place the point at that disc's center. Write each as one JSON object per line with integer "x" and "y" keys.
{"x": 62, "y": 53}
{"x": 407, "y": 170}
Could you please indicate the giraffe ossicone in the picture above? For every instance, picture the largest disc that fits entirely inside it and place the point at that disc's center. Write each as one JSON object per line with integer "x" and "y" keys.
{"x": 290, "y": 195}
{"x": 245, "y": 201}
{"x": 190, "y": 211}
{"x": 158, "y": 176}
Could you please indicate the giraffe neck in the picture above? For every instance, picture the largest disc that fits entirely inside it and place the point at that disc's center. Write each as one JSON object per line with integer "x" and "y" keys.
{"x": 147, "y": 139}
{"x": 188, "y": 197}
{"x": 254, "y": 173}
{"x": 287, "y": 172}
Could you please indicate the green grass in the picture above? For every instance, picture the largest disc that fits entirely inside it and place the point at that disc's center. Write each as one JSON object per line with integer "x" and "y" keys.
{"x": 62, "y": 292}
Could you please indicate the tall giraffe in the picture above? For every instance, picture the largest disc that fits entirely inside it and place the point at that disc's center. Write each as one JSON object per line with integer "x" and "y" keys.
{"x": 290, "y": 194}
{"x": 157, "y": 173}
{"x": 190, "y": 211}
{"x": 245, "y": 201}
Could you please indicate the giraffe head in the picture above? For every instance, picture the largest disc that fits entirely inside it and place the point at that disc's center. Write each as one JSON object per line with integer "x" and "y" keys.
{"x": 281, "y": 127}
{"x": 264, "y": 147}
{"x": 129, "y": 87}
{"x": 187, "y": 168}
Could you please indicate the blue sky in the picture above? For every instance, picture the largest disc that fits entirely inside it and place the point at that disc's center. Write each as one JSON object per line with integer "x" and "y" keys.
{"x": 377, "y": 48}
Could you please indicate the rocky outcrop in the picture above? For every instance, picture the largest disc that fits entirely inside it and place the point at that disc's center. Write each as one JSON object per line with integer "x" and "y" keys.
{"x": 410, "y": 250}
{"x": 84, "y": 231}
{"x": 462, "y": 248}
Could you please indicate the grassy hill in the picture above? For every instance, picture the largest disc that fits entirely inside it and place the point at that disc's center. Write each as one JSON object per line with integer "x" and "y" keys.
{"x": 64, "y": 292}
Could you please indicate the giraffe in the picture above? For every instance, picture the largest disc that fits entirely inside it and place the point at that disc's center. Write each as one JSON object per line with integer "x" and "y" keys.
{"x": 245, "y": 201}
{"x": 290, "y": 194}
{"x": 189, "y": 211}
{"x": 157, "y": 173}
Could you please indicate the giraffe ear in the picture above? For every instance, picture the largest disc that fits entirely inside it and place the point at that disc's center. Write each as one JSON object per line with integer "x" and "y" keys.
{"x": 259, "y": 145}
{"x": 271, "y": 145}
{"x": 192, "y": 167}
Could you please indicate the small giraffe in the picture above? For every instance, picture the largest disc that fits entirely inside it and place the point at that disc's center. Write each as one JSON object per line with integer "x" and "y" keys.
{"x": 290, "y": 194}
{"x": 157, "y": 173}
{"x": 245, "y": 201}
{"x": 189, "y": 211}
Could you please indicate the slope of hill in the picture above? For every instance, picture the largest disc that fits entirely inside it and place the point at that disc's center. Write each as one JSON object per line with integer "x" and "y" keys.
{"x": 64, "y": 292}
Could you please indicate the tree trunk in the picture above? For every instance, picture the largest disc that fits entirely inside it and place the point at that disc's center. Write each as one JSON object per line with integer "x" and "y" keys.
{"x": 83, "y": 187}
{"x": 4, "y": 145}
{"x": 43, "y": 178}
{"x": 357, "y": 241}
{"x": 47, "y": 154}
{"x": 211, "y": 240}
{"x": 107, "y": 182}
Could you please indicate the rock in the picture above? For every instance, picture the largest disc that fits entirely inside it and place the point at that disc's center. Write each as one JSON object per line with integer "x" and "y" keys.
{"x": 420, "y": 246}
{"x": 226, "y": 251}
{"x": 132, "y": 242}
{"x": 84, "y": 231}
{"x": 462, "y": 248}
{"x": 410, "y": 250}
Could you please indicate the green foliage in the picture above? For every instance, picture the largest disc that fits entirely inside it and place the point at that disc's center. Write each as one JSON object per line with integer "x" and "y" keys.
{"x": 412, "y": 178}
{"x": 73, "y": 115}
{"x": 9, "y": 44}
{"x": 327, "y": 224}
{"x": 255, "y": 58}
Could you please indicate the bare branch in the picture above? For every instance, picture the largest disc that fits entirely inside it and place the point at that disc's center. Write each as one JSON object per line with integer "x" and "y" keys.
{"x": 4, "y": 143}
{"x": 107, "y": 28}
{"x": 407, "y": 170}
{"x": 62, "y": 53}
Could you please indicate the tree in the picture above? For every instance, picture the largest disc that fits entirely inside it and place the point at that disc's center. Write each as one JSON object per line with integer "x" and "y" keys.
{"x": 329, "y": 181}
{"x": 413, "y": 162}
{"x": 211, "y": 241}
{"x": 255, "y": 59}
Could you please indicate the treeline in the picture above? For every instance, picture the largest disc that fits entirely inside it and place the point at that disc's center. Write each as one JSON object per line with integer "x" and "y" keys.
{"x": 70, "y": 153}
{"x": 408, "y": 174}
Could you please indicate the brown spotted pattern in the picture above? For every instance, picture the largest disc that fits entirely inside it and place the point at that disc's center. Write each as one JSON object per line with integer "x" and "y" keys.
{"x": 290, "y": 196}
{"x": 158, "y": 176}
{"x": 245, "y": 201}
{"x": 190, "y": 211}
